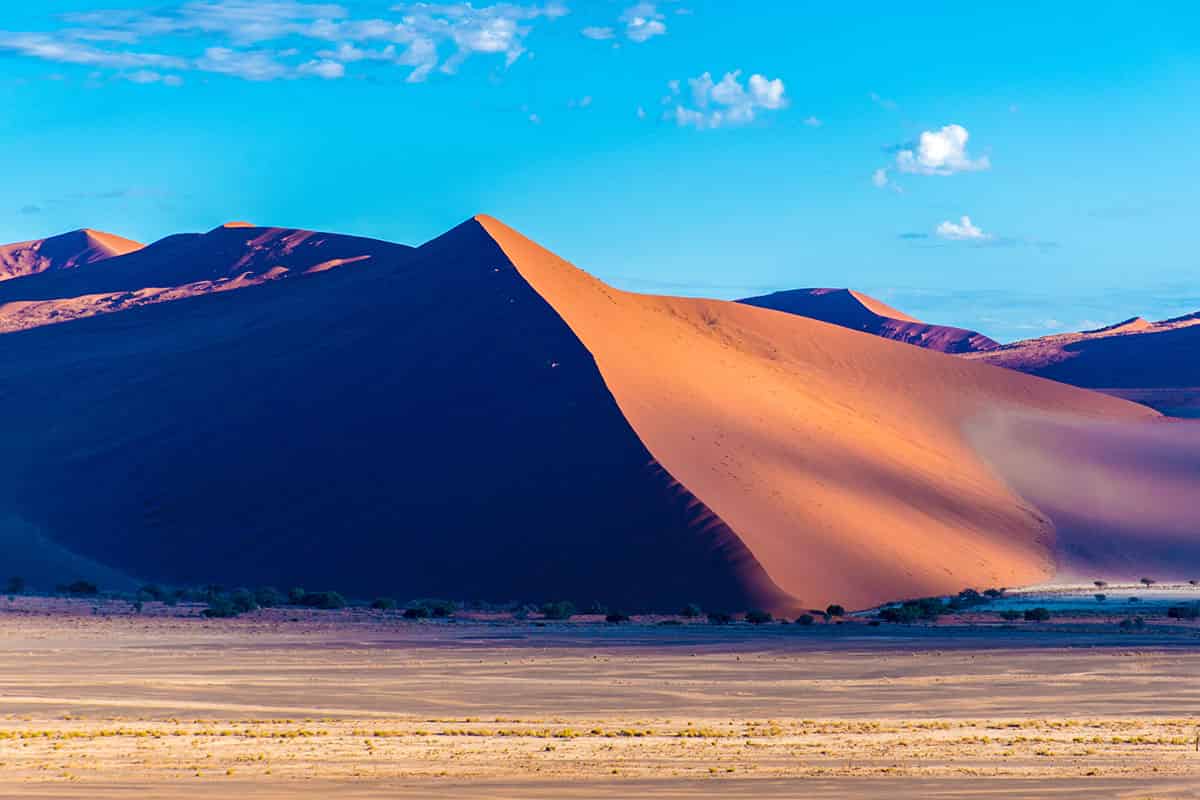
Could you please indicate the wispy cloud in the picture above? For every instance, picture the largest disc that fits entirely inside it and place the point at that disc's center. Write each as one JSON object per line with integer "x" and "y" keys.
{"x": 727, "y": 102}
{"x": 264, "y": 40}
{"x": 638, "y": 23}
{"x": 963, "y": 230}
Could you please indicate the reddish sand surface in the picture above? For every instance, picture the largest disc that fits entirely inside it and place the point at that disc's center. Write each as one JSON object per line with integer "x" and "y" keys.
{"x": 860, "y": 312}
{"x": 1156, "y": 363}
{"x": 66, "y": 251}
{"x": 364, "y": 705}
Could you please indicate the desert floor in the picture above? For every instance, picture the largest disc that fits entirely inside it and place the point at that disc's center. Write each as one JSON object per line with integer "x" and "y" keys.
{"x": 363, "y": 705}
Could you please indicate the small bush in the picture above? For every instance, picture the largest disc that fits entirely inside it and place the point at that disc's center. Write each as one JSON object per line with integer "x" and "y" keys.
{"x": 805, "y": 619}
{"x": 1128, "y": 624}
{"x": 993, "y": 593}
{"x": 1037, "y": 614}
{"x": 243, "y": 600}
{"x": 383, "y": 603}
{"x": 296, "y": 596}
{"x": 328, "y": 601}
{"x": 1148, "y": 582}
{"x": 558, "y": 610}
{"x": 1100, "y": 584}
{"x": 616, "y": 617}
{"x": 416, "y": 612}
{"x": 82, "y": 588}
{"x": 719, "y": 618}
{"x": 268, "y": 597}
{"x": 1184, "y": 612}
{"x": 220, "y": 608}
{"x": 152, "y": 591}
{"x": 691, "y": 611}
{"x": 835, "y": 611}
{"x": 758, "y": 617}
{"x": 1100, "y": 598}
{"x": 1010, "y": 615}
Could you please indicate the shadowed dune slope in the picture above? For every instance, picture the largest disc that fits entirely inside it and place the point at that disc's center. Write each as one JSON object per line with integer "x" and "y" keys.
{"x": 1157, "y": 363}
{"x": 230, "y": 257}
{"x": 859, "y": 312}
{"x": 840, "y": 459}
{"x": 63, "y": 252}
{"x": 423, "y": 424}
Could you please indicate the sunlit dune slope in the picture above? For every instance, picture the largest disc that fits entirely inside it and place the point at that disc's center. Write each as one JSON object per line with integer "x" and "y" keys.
{"x": 63, "y": 252}
{"x": 840, "y": 459}
{"x": 860, "y": 312}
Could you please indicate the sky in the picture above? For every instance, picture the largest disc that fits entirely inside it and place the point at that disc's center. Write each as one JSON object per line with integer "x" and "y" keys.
{"x": 1018, "y": 170}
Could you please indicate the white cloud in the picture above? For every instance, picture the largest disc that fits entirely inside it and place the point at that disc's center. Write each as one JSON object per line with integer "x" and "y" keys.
{"x": 880, "y": 178}
{"x": 321, "y": 37}
{"x": 324, "y": 68}
{"x": 728, "y": 102}
{"x": 813, "y": 122}
{"x": 641, "y": 112}
{"x": 643, "y": 22}
{"x": 150, "y": 76}
{"x": 963, "y": 230}
{"x": 941, "y": 152}
{"x": 598, "y": 33}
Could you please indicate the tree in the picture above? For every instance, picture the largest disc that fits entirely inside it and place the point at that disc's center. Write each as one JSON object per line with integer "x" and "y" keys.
{"x": 15, "y": 585}
{"x": 835, "y": 611}
{"x": 1010, "y": 615}
{"x": 1100, "y": 584}
{"x": 243, "y": 600}
{"x": 416, "y": 612}
{"x": 296, "y": 595}
{"x": 805, "y": 619}
{"x": 383, "y": 603}
{"x": 758, "y": 617}
{"x": 616, "y": 617}
{"x": 1148, "y": 582}
{"x": 719, "y": 618}
{"x": 691, "y": 611}
{"x": 558, "y": 610}
{"x": 268, "y": 596}
{"x": 153, "y": 591}
{"x": 1037, "y": 614}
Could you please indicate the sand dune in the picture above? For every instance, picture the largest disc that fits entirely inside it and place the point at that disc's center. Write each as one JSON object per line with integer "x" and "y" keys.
{"x": 478, "y": 418}
{"x": 66, "y": 251}
{"x": 1156, "y": 363}
{"x": 860, "y": 312}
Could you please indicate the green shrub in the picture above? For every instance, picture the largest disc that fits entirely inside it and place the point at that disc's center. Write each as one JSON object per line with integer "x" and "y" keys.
{"x": 1037, "y": 614}
{"x": 268, "y": 597}
{"x": 758, "y": 617}
{"x": 1184, "y": 612}
{"x": 805, "y": 619}
{"x": 835, "y": 611}
{"x": 719, "y": 618}
{"x": 691, "y": 611}
{"x": 328, "y": 601}
{"x": 1010, "y": 615}
{"x": 383, "y": 603}
{"x": 220, "y": 608}
{"x": 296, "y": 596}
{"x": 243, "y": 600}
{"x": 616, "y": 617}
{"x": 82, "y": 588}
{"x": 559, "y": 609}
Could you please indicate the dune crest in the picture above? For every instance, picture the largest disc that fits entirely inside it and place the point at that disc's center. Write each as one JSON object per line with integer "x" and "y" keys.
{"x": 860, "y": 312}
{"x": 63, "y": 252}
{"x": 839, "y": 459}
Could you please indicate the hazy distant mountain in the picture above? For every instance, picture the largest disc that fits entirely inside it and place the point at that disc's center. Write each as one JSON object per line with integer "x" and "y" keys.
{"x": 1156, "y": 363}
{"x": 859, "y": 312}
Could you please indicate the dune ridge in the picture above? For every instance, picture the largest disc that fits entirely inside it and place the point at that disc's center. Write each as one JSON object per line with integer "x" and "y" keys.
{"x": 858, "y": 311}
{"x": 63, "y": 252}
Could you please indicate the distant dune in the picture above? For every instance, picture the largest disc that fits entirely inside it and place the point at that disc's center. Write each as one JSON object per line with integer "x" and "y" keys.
{"x": 859, "y": 312}
{"x": 66, "y": 251}
{"x": 477, "y": 418}
{"x": 1156, "y": 363}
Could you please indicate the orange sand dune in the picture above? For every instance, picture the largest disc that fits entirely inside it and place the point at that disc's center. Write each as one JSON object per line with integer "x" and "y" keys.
{"x": 860, "y": 312}
{"x": 233, "y": 256}
{"x": 66, "y": 251}
{"x": 840, "y": 459}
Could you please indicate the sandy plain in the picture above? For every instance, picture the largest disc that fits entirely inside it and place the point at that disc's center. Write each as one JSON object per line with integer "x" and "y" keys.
{"x": 360, "y": 704}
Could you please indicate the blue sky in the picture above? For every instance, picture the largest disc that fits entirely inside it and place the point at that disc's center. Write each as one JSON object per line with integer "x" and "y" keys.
{"x": 686, "y": 147}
